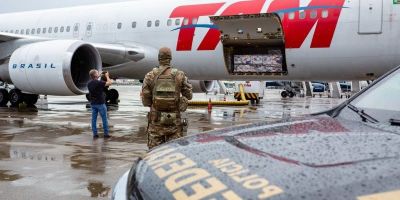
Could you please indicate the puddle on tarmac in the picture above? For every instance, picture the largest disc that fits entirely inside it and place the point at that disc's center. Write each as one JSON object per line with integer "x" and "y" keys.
{"x": 98, "y": 189}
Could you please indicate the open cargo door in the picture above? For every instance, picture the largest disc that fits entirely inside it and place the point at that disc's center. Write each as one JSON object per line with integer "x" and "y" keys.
{"x": 253, "y": 44}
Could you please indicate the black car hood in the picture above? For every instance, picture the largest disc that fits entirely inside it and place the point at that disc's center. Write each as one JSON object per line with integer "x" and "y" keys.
{"x": 310, "y": 158}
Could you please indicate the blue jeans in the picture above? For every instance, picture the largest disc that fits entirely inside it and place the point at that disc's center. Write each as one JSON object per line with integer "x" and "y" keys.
{"x": 102, "y": 109}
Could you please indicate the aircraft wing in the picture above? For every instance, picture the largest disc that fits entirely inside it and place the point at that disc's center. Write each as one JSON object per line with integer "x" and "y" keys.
{"x": 111, "y": 54}
{"x": 5, "y": 37}
{"x": 116, "y": 54}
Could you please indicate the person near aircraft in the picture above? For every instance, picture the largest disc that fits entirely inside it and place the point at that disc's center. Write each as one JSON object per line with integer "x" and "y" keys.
{"x": 166, "y": 90}
{"x": 98, "y": 101}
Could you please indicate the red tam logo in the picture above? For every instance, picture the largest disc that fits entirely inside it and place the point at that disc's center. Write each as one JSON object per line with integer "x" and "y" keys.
{"x": 326, "y": 16}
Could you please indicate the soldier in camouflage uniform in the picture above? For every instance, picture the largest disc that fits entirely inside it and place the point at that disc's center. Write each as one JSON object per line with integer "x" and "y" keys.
{"x": 166, "y": 91}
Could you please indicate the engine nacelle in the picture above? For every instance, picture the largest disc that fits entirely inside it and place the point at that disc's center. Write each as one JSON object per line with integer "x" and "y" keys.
{"x": 202, "y": 86}
{"x": 58, "y": 67}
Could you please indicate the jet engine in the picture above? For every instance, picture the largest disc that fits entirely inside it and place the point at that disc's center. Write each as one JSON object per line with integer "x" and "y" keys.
{"x": 58, "y": 67}
{"x": 202, "y": 86}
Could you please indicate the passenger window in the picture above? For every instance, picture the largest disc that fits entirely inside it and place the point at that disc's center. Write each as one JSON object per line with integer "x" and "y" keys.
{"x": 325, "y": 14}
{"x": 302, "y": 14}
{"x": 33, "y": 31}
{"x": 62, "y": 29}
{"x": 119, "y": 26}
{"x": 27, "y": 31}
{"x": 148, "y": 23}
{"x": 12, "y": 31}
{"x": 17, "y": 31}
{"x": 50, "y": 29}
{"x": 291, "y": 15}
{"x": 22, "y": 31}
{"x": 169, "y": 22}
{"x": 44, "y": 30}
{"x": 55, "y": 29}
{"x": 194, "y": 21}
{"x": 313, "y": 14}
{"x": 177, "y": 22}
{"x": 89, "y": 27}
{"x": 157, "y": 23}
{"x": 133, "y": 24}
{"x": 68, "y": 29}
{"x": 38, "y": 30}
{"x": 185, "y": 21}
{"x": 76, "y": 28}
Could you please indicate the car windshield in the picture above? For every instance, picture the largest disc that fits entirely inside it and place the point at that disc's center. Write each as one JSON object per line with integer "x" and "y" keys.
{"x": 381, "y": 101}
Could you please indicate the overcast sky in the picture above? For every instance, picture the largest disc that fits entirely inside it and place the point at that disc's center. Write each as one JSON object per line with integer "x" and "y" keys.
{"x": 22, "y": 5}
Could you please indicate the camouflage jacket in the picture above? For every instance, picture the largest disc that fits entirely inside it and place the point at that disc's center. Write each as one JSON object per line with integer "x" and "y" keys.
{"x": 180, "y": 78}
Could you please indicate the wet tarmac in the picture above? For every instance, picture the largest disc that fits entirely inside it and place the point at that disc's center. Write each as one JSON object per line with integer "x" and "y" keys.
{"x": 49, "y": 152}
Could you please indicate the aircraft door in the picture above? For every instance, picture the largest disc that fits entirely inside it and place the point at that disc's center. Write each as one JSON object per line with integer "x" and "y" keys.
{"x": 370, "y": 19}
{"x": 76, "y": 30}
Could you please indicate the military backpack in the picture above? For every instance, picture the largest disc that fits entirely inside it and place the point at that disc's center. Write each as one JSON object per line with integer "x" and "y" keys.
{"x": 166, "y": 92}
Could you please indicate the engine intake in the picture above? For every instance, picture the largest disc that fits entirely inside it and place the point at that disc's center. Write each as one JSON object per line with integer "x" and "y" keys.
{"x": 202, "y": 86}
{"x": 58, "y": 67}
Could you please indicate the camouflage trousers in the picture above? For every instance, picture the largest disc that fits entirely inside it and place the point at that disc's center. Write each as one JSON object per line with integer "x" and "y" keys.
{"x": 159, "y": 134}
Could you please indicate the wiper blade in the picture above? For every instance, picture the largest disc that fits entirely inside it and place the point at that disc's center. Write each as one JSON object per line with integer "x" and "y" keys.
{"x": 394, "y": 122}
{"x": 364, "y": 116}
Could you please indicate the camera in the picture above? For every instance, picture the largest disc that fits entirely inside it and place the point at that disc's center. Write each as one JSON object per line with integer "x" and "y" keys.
{"x": 103, "y": 75}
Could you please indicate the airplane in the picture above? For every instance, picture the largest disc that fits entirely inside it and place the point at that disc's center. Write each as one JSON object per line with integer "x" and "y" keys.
{"x": 51, "y": 51}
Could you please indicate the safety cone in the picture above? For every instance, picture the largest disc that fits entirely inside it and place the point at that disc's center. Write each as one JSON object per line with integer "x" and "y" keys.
{"x": 209, "y": 105}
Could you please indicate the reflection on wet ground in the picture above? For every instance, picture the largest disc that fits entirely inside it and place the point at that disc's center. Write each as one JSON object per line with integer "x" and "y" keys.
{"x": 6, "y": 176}
{"x": 49, "y": 152}
{"x": 97, "y": 189}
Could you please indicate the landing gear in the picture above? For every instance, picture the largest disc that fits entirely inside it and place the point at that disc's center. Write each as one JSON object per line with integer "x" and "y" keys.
{"x": 4, "y": 97}
{"x": 291, "y": 94}
{"x": 285, "y": 94}
{"x": 17, "y": 97}
{"x": 88, "y": 97}
{"x": 112, "y": 96}
{"x": 30, "y": 99}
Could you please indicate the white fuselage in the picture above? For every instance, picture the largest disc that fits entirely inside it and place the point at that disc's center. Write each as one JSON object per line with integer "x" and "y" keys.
{"x": 352, "y": 54}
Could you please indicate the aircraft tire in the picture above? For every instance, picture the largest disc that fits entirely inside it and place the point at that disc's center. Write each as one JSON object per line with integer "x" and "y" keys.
{"x": 291, "y": 94}
{"x": 4, "y": 97}
{"x": 88, "y": 97}
{"x": 30, "y": 99}
{"x": 284, "y": 94}
{"x": 16, "y": 97}
{"x": 112, "y": 96}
